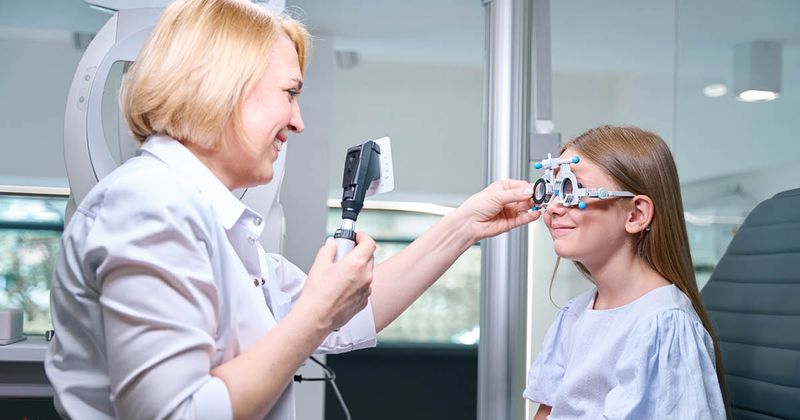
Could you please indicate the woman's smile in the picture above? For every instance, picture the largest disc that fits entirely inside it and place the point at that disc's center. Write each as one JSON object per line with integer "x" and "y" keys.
{"x": 277, "y": 144}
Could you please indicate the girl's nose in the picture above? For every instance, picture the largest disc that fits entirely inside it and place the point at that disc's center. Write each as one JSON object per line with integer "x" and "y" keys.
{"x": 555, "y": 208}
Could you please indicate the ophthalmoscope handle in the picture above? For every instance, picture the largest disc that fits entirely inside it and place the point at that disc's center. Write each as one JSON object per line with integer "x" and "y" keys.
{"x": 343, "y": 247}
{"x": 345, "y": 242}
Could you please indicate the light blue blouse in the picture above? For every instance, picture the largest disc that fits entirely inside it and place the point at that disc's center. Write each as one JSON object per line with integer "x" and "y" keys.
{"x": 648, "y": 359}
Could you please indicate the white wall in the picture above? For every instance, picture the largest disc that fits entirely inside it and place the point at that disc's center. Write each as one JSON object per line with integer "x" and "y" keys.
{"x": 722, "y": 136}
{"x": 433, "y": 114}
{"x": 584, "y": 100}
{"x": 36, "y": 68}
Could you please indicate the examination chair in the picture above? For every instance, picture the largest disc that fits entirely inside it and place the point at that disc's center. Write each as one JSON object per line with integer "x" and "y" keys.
{"x": 753, "y": 298}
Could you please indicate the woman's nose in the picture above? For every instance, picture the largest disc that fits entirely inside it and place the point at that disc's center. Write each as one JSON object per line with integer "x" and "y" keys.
{"x": 296, "y": 123}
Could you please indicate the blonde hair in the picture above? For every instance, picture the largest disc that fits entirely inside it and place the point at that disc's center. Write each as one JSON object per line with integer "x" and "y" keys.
{"x": 641, "y": 162}
{"x": 196, "y": 68}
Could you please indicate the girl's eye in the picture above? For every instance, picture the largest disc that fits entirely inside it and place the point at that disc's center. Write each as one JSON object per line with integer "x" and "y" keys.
{"x": 580, "y": 185}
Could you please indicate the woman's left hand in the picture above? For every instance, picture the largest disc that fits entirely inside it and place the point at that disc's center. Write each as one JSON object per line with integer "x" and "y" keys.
{"x": 500, "y": 207}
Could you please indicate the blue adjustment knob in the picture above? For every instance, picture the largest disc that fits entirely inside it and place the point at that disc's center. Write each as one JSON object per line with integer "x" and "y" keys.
{"x": 537, "y": 165}
{"x": 581, "y": 205}
{"x": 534, "y": 208}
{"x": 576, "y": 159}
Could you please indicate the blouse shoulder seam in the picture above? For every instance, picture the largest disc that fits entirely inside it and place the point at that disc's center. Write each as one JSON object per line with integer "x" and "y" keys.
{"x": 656, "y": 315}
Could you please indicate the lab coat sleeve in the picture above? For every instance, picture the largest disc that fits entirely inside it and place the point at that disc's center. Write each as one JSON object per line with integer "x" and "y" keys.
{"x": 358, "y": 333}
{"x": 159, "y": 305}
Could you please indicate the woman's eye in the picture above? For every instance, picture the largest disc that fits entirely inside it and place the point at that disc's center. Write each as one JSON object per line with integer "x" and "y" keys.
{"x": 293, "y": 93}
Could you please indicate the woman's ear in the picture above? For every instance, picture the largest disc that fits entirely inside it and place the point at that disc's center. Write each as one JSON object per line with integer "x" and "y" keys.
{"x": 641, "y": 214}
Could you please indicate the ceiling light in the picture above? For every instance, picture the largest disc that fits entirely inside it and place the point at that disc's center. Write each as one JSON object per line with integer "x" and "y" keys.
{"x": 757, "y": 71}
{"x": 715, "y": 90}
{"x": 757, "y": 96}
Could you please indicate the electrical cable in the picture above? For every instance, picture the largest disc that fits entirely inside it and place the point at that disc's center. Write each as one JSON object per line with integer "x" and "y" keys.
{"x": 330, "y": 377}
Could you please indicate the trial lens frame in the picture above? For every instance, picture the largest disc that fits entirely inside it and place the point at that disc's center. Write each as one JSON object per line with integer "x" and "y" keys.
{"x": 565, "y": 186}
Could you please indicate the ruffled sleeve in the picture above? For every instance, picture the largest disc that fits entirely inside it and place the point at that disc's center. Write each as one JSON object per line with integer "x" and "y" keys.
{"x": 546, "y": 372}
{"x": 666, "y": 371}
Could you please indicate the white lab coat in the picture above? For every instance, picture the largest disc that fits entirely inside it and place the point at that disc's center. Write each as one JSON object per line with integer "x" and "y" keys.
{"x": 159, "y": 280}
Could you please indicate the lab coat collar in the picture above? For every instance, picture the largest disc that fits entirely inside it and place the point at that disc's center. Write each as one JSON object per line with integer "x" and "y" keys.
{"x": 170, "y": 151}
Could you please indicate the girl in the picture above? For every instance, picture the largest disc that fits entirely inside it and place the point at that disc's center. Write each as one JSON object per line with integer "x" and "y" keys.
{"x": 640, "y": 344}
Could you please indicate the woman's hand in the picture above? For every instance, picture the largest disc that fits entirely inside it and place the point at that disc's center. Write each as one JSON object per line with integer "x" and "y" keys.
{"x": 500, "y": 207}
{"x": 336, "y": 291}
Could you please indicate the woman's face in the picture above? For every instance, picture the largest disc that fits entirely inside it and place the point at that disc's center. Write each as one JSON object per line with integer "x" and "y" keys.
{"x": 591, "y": 235}
{"x": 270, "y": 111}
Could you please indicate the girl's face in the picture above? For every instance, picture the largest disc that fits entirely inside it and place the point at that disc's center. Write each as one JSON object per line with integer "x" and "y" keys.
{"x": 592, "y": 235}
{"x": 270, "y": 111}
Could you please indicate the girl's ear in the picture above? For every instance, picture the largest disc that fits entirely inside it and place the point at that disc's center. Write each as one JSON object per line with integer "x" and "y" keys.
{"x": 641, "y": 214}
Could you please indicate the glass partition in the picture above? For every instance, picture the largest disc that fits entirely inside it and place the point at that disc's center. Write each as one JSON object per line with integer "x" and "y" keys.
{"x": 30, "y": 232}
{"x": 449, "y": 311}
{"x": 412, "y": 71}
{"x": 670, "y": 67}
{"x": 733, "y": 154}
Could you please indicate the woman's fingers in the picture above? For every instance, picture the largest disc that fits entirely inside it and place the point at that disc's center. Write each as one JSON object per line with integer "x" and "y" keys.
{"x": 514, "y": 195}
{"x": 365, "y": 245}
{"x": 507, "y": 184}
{"x": 328, "y": 251}
{"x": 525, "y": 217}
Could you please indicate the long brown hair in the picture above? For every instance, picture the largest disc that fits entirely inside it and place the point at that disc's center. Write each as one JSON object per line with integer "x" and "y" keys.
{"x": 639, "y": 161}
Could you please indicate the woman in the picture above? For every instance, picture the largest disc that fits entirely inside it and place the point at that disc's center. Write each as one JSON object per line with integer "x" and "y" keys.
{"x": 640, "y": 344}
{"x": 164, "y": 304}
